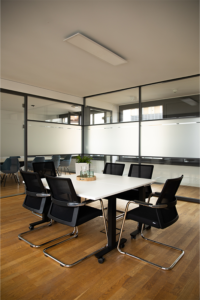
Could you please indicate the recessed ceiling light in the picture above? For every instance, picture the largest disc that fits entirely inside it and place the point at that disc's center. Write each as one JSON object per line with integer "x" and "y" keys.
{"x": 95, "y": 49}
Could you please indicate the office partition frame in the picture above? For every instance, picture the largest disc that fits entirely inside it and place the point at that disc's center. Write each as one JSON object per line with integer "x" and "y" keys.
{"x": 140, "y": 120}
{"x": 26, "y": 95}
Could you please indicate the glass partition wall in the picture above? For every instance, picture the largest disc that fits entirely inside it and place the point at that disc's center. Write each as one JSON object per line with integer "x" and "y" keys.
{"x": 34, "y": 126}
{"x": 171, "y": 139}
{"x": 115, "y": 135}
{"x": 54, "y": 129}
{"x": 155, "y": 124}
{"x": 12, "y": 143}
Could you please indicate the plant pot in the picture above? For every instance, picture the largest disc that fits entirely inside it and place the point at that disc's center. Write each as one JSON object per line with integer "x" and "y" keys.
{"x": 81, "y": 166}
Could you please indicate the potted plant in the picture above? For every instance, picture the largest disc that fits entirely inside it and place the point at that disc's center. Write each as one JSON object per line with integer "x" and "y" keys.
{"x": 82, "y": 163}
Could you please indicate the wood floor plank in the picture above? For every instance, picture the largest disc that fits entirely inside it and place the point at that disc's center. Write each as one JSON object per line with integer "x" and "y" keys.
{"x": 27, "y": 274}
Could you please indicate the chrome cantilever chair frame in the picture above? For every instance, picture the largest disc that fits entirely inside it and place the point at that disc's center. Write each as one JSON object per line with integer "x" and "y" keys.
{"x": 20, "y": 236}
{"x": 159, "y": 206}
{"x": 75, "y": 235}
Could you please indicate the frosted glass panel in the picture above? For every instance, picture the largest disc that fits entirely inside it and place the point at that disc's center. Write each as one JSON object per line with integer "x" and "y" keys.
{"x": 12, "y": 121}
{"x": 51, "y": 138}
{"x": 112, "y": 139}
{"x": 171, "y": 138}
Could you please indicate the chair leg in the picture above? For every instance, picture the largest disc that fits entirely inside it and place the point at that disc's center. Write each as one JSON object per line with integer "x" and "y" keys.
{"x": 5, "y": 179}
{"x": 144, "y": 260}
{"x": 36, "y": 214}
{"x": 76, "y": 262}
{"x": 74, "y": 236}
{"x": 38, "y": 246}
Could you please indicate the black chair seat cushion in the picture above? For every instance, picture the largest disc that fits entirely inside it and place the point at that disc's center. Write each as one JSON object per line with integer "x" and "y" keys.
{"x": 87, "y": 213}
{"x": 144, "y": 215}
{"x": 68, "y": 215}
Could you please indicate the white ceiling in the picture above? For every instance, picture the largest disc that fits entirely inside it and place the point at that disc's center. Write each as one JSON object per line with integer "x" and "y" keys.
{"x": 158, "y": 38}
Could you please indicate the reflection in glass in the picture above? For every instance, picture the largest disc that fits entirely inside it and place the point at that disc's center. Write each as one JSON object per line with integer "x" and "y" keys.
{"x": 113, "y": 105}
{"x": 53, "y": 112}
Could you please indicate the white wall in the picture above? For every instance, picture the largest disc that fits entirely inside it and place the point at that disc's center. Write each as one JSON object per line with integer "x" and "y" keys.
{"x": 163, "y": 172}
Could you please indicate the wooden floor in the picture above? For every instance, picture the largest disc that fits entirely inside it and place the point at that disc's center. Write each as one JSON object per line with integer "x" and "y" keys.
{"x": 27, "y": 274}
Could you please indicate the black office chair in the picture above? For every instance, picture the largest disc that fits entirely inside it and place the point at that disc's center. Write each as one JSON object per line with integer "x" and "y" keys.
{"x": 139, "y": 171}
{"x": 114, "y": 169}
{"x": 43, "y": 169}
{"x": 67, "y": 209}
{"x": 37, "y": 200}
{"x": 161, "y": 215}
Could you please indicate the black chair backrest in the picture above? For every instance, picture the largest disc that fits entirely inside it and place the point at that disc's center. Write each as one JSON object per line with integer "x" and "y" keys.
{"x": 62, "y": 191}
{"x": 33, "y": 182}
{"x": 167, "y": 216}
{"x": 44, "y": 169}
{"x": 34, "y": 185}
{"x": 141, "y": 171}
{"x": 114, "y": 169}
{"x": 169, "y": 190}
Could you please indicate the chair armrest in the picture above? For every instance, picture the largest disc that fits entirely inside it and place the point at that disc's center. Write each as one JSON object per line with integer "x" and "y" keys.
{"x": 74, "y": 204}
{"x": 150, "y": 204}
{"x": 35, "y": 194}
{"x": 152, "y": 195}
{"x": 71, "y": 204}
{"x": 43, "y": 195}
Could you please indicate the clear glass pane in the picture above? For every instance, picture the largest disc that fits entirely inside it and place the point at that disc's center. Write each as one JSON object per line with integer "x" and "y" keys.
{"x": 52, "y": 111}
{"x": 170, "y": 138}
{"x": 12, "y": 144}
{"x": 108, "y": 138}
{"x": 46, "y": 138}
{"x": 116, "y": 107}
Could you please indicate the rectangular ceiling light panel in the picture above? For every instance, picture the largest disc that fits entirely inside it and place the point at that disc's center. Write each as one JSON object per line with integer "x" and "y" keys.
{"x": 95, "y": 49}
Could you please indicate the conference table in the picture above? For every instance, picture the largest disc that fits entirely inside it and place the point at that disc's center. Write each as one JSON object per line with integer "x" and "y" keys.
{"x": 107, "y": 187}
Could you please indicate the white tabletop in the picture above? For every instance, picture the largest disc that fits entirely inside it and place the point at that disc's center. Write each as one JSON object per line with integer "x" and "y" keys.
{"x": 104, "y": 185}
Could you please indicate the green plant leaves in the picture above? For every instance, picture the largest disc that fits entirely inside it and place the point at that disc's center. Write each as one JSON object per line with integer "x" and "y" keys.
{"x": 84, "y": 159}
